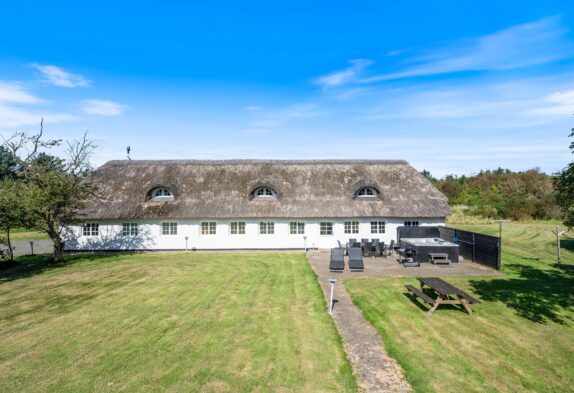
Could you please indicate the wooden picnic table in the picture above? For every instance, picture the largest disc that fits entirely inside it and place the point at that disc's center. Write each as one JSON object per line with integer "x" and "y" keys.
{"x": 446, "y": 294}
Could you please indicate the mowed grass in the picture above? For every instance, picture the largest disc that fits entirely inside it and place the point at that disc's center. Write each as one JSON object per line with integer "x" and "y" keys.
{"x": 169, "y": 322}
{"x": 519, "y": 340}
{"x": 23, "y": 235}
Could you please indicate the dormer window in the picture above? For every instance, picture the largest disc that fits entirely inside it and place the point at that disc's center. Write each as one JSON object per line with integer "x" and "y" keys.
{"x": 264, "y": 192}
{"x": 367, "y": 192}
{"x": 161, "y": 194}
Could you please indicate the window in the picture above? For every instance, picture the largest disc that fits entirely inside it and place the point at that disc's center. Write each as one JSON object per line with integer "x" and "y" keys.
{"x": 161, "y": 194}
{"x": 237, "y": 228}
{"x": 91, "y": 229}
{"x": 377, "y": 227}
{"x": 130, "y": 229}
{"x": 208, "y": 228}
{"x": 264, "y": 192}
{"x": 297, "y": 228}
{"x": 326, "y": 228}
{"x": 266, "y": 228}
{"x": 169, "y": 228}
{"x": 367, "y": 192}
{"x": 411, "y": 223}
{"x": 351, "y": 226}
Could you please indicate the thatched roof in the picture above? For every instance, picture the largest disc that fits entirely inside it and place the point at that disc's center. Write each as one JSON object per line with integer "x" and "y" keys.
{"x": 223, "y": 189}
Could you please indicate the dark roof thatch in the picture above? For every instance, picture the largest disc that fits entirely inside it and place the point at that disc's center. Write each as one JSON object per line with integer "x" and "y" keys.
{"x": 222, "y": 189}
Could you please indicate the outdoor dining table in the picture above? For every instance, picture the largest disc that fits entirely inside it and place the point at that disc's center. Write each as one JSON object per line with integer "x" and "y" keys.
{"x": 447, "y": 294}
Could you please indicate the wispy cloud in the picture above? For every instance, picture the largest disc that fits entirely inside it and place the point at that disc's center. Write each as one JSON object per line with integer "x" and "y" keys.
{"x": 15, "y": 93}
{"x": 19, "y": 107}
{"x": 253, "y": 108}
{"x": 59, "y": 77}
{"x": 345, "y": 76}
{"x": 282, "y": 116}
{"x": 102, "y": 107}
{"x": 518, "y": 46}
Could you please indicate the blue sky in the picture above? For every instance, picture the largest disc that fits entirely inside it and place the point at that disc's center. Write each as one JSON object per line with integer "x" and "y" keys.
{"x": 450, "y": 86}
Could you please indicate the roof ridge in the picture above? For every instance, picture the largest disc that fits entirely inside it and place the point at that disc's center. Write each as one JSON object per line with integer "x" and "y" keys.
{"x": 259, "y": 161}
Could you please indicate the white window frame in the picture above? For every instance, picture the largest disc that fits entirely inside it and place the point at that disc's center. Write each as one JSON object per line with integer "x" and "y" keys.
{"x": 264, "y": 192}
{"x": 161, "y": 194}
{"x": 209, "y": 228}
{"x": 266, "y": 228}
{"x": 169, "y": 228}
{"x": 411, "y": 223}
{"x": 237, "y": 228}
{"x": 91, "y": 229}
{"x": 326, "y": 228}
{"x": 367, "y": 192}
{"x": 378, "y": 227}
{"x": 130, "y": 229}
{"x": 351, "y": 227}
{"x": 296, "y": 228}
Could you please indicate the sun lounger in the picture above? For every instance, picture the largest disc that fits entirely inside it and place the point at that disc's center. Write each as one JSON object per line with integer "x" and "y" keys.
{"x": 337, "y": 261}
{"x": 356, "y": 260}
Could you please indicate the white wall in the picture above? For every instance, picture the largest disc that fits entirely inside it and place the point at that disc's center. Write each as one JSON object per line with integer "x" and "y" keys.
{"x": 150, "y": 234}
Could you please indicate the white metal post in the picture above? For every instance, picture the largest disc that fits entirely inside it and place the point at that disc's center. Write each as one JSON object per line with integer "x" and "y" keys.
{"x": 332, "y": 281}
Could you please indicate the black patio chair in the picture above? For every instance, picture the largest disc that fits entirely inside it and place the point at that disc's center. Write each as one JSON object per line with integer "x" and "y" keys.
{"x": 375, "y": 247}
{"x": 392, "y": 246}
{"x": 351, "y": 241}
{"x": 383, "y": 249}
{"x": 355, "y": 245}
{"x": 356, "y": 263}
{"x": 363, "y": 241}
{"x": 337, "y": 261}
{"x": 368, "y": 249}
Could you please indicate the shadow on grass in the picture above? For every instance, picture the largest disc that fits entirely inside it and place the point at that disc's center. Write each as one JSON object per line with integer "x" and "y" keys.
{"x": 567, "y": 244}
{"x": 27, "y": 266}
{"x": 539, "y": 295}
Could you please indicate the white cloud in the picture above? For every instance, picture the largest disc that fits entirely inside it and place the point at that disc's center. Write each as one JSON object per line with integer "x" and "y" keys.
{"x": 518, "y": 46}
{"x": 102, "y": 107}
{"x": 282, "y": 116}
{"x": 345, "y": 76}
{"x": 15, "y": 93}
{"x": 12, "y": 117}
{"x": 253, "y": 108}
{"x": 59, "y": 77}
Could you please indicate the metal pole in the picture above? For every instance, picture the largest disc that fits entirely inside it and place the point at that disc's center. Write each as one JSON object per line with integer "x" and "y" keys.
{"x": 332, "y": 281}
{"x": 32, "y": 248}
{"x": 558, "y": 233}
{"x": 500, "y": 222}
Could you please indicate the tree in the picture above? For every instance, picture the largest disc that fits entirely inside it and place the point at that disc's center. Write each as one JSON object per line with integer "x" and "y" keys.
{"x": 8, "y": 164}
{"x": 564, "y": 183}
{"x": 12, "y": 215}
{"x": 53, "y": 190}
{"x": 428, "y": 175}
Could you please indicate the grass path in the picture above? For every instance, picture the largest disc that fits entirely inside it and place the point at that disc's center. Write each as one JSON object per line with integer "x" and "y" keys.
{"x": 177, "y": 322}
{"x": 518, "y": 340}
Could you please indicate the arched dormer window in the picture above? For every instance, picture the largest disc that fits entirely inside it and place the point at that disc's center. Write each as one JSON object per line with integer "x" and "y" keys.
{"x": 264, "y": 192}
{"x": 367, "y": 192}
{"x": 160, "y": 194}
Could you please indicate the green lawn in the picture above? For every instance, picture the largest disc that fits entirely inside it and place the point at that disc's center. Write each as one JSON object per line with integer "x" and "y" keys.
{"x": 521, "y": 339}
{"x": 168, "y": 322}
{"x": 26, "y": 235}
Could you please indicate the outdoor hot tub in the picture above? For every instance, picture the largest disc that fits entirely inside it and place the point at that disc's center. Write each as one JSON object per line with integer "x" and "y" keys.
{"x": 424, "y": 246}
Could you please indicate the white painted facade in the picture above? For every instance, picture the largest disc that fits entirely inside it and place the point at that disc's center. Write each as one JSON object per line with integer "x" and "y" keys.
{"x": 150, "y": 236}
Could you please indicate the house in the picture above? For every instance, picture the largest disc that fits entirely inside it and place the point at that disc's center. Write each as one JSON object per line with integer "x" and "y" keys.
{"x": 252, "y": 204}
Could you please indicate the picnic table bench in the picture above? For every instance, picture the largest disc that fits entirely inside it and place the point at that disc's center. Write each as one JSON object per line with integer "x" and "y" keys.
{"x": 439, "y": 258}
{"x": 446, "y": 294}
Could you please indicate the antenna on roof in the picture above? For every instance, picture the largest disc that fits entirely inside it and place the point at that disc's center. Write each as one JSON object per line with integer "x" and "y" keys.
{"x": 128, "y": 150}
